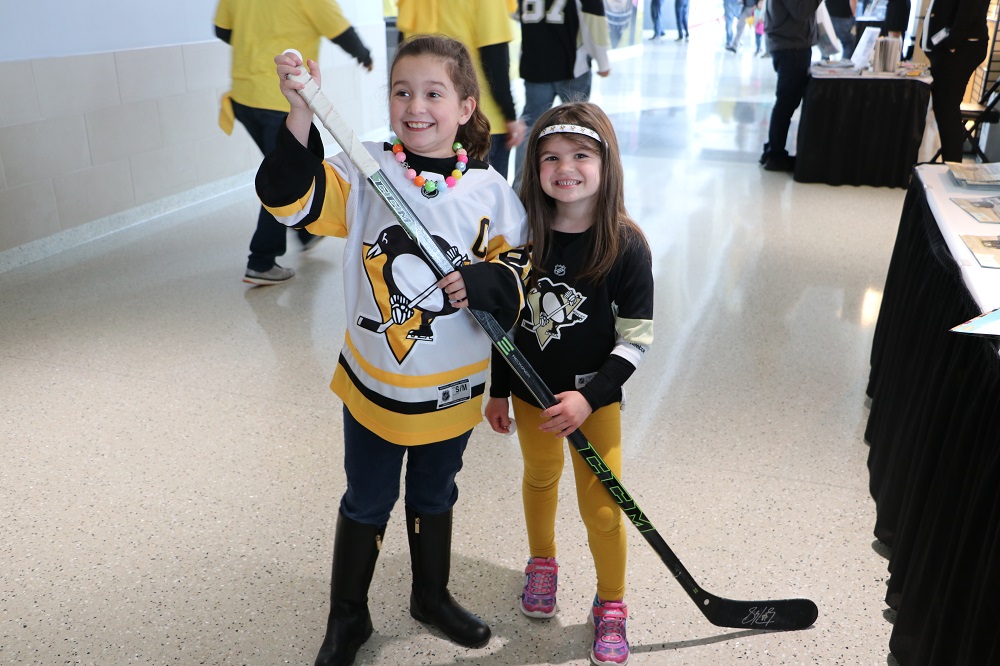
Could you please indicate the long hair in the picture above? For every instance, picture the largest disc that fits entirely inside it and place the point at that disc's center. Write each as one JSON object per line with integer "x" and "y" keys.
{"x": 613, "y": 228}
{"x": 474, "y": 134}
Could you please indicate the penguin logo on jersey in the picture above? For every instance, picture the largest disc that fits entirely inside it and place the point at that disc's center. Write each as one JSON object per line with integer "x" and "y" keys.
{"x": 552, "y": 307}
{"x": 405, "y": 289}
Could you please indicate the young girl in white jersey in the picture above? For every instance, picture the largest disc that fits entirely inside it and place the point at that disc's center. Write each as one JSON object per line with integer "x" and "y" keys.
{"x": 412, "y": 370}
{"x": 586, "y": 326}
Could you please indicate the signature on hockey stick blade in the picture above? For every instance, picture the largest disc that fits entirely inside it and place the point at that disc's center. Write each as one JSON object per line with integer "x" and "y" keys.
{"x": 759, "y": 617}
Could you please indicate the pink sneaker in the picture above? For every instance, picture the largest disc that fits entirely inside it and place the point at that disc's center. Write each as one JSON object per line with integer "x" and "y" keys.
{"x": 610, "y": 642}
{"x": 538, "y": 599}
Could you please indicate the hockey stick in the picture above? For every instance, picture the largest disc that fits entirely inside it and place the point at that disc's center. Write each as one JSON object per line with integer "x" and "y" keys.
{"x": 775, "y": 615}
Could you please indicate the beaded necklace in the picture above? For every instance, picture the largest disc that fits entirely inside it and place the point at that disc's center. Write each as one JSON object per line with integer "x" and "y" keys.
{"x": 430, "y": 186}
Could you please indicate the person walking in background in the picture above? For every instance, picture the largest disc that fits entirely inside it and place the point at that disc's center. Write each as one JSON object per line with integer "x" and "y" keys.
{"x": 257, "y": 29}
{"x": 681, "y": 15}
{"x": 730, "y": 10}
{"x": 486, "y": 29}
{"x": 842, "y": 13}
{"x": 558, "y": 42}
{"x": 741, "y": 23}
{"x": 655, "y": 13}
{"x": 758, "y": 28}
{"x": 955, "y": 39}
{"x": 791, "y": 31}
{"x": 586, "y": 326}
{"x": 412, "y": 370}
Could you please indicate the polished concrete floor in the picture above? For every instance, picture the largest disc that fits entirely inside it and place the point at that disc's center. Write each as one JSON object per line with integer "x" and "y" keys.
{"x": 170, "y": 454}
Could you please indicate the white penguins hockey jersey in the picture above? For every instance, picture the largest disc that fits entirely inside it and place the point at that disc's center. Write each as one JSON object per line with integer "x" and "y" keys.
{"x": 412, "y": 368}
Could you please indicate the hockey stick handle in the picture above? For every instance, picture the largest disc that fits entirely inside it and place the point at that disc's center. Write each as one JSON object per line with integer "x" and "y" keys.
{"x": 332, "y": 120}
{"x": 785, "y": 614}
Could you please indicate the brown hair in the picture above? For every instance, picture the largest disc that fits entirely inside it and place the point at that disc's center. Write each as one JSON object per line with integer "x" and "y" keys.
{"x": 613, "y": 228}
{"x": 474, "y": 135}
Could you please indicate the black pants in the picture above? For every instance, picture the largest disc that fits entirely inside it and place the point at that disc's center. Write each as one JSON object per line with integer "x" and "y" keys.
{"x": 792, "y": 67}
{"x": 269, "y": 240}
{"x": 951, "y": 71}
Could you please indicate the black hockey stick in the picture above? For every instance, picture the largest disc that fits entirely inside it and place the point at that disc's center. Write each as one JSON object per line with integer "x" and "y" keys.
{"x": 775, "y": 615}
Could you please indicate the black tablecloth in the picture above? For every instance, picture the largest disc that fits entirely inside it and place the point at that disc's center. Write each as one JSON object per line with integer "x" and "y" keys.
{"x": 861, "y": 131}
{"x": 934, "y": 463}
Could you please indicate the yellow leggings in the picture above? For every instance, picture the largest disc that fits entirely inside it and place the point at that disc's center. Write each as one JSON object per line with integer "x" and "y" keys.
{"x": 543, "y": 465}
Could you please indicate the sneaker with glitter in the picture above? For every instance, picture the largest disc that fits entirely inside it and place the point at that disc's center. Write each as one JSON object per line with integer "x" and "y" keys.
{"x": 538, "y": 599}
{"x": 610, "y": 642}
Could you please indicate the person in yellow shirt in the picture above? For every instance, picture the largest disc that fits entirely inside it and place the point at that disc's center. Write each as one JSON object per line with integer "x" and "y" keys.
{"x": 257, "y": 29}
{"x": 486, "y": 29}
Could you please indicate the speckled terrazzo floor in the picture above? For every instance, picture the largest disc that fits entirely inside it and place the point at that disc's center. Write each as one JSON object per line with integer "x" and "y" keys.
{"x": 171, "y": 454}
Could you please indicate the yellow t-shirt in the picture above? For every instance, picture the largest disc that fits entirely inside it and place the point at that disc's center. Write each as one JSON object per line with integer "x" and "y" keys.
{"x": 475, "y": 23}
{"x": 264, "y": 28}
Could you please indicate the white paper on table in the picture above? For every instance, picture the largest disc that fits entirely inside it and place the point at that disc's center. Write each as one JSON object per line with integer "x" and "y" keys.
{"x": 866, "y": 46}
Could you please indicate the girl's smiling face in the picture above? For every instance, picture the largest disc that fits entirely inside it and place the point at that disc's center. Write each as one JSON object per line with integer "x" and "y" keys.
{"x": 569, "y": 172}
{"x": 425, "y": 110}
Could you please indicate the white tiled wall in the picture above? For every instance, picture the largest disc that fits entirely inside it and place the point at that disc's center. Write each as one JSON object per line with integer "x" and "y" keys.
{"x": 126, "y": 135}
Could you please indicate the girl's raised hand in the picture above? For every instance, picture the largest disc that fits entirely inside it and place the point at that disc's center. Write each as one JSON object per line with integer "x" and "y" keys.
{"x": 572, "y": 410}
{"x": 288, "y": 64}
{"x": 498, "y": 415}
{"x": 299, "y": 118}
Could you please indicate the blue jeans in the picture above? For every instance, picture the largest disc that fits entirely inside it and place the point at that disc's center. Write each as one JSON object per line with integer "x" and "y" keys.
{"x": 655, "y": 9}
{"x": 538, "y": 98}
{"x": 681, "y": 14}
{"x": 741, "y": 24}
{"x": 499, "y": 157}
{"x": 269, "y": 240}
{"x": 373, "y": 466}
{"x": 792, "y": 67}
{"x": 844, "y": 27}
{"x": 730, "y": 10}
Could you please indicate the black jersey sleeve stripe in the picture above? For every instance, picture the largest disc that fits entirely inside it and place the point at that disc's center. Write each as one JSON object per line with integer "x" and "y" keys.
{"x": 287, "y": 173}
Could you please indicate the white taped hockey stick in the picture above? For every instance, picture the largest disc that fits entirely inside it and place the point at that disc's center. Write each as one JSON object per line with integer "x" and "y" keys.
{"x": 775, "y": 615}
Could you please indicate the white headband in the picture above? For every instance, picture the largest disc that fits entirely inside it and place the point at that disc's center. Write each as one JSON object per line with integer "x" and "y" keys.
{"x": 575, "y": 129}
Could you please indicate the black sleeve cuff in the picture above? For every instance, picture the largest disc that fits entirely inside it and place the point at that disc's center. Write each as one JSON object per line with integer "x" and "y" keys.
{"x": 606, "y": 386}
{"x": 496, "y": 69}
{"x": 491, "y": 287}
{"x": 224, "y": 34}
{"x": 350, "y": 42}
{"x": 289, "y": 170}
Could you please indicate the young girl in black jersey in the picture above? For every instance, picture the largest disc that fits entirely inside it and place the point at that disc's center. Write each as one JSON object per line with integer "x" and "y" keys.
{"x": 585, "y": 328}
{"x": 412, "y": 370}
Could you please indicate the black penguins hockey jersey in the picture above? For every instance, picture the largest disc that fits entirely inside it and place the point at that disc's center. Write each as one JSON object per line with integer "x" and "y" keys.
{"x": 412, "y": 368}
{"x": 581, "y": 336}
{"x": 558, "y": 38}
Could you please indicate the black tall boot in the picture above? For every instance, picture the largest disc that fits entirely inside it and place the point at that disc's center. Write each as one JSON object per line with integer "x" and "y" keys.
{"x": 430, "y": 601}
{"x": 355, "y": 549}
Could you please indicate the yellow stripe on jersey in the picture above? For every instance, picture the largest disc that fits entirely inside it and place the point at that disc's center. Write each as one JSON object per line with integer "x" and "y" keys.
{"x": 410, "y": 381}
{"x": 332, "y": 220}
{"x": 293, "y": 210}
{"x": 407, "y": 429}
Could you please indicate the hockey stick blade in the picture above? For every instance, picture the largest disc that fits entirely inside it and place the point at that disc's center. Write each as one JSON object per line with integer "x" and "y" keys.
{"x": 774, "y": 615}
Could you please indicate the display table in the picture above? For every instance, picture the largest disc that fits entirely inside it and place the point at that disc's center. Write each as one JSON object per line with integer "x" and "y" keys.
{"x": 861, "y": 130}
{"x": 934, "y": 433}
